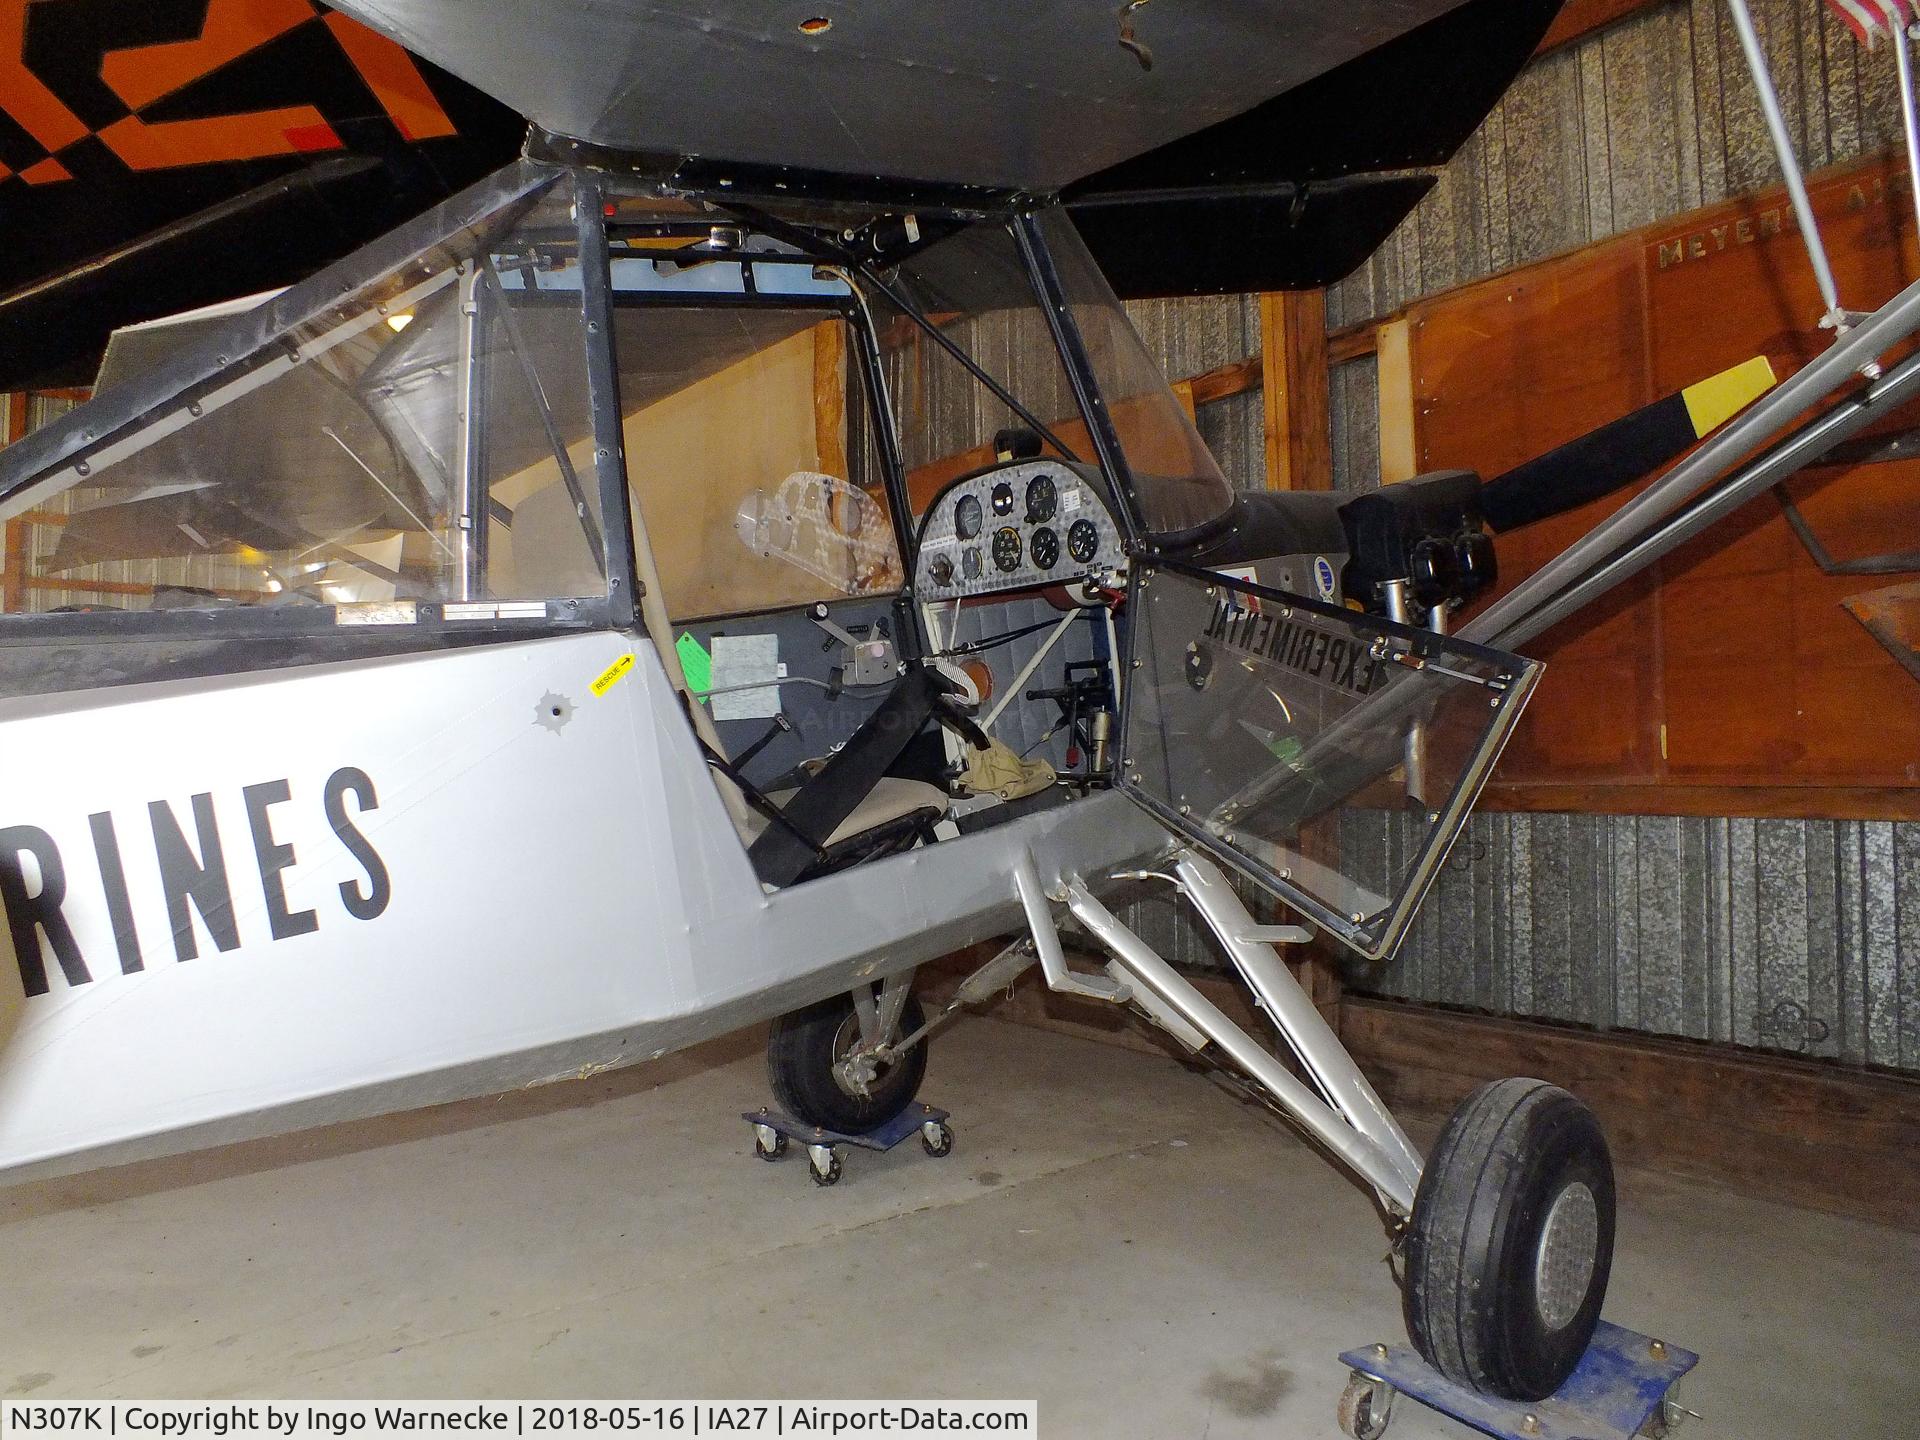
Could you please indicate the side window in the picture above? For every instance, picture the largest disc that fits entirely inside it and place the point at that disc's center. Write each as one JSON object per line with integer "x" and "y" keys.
{"x": 750, "y": 453}
{"x": 542, "y": 536}
{"x": 394, "y": 449}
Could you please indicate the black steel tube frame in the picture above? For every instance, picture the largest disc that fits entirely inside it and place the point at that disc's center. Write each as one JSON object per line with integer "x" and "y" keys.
{"x": 1045, "y": 280}
{"x": 603, "y": 400}
{"x": 972, "y": 366}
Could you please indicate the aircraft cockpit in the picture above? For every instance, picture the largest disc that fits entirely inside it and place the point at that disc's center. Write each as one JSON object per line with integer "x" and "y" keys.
{"x": 890, "y": 560}
{"x": 866, "y": 481}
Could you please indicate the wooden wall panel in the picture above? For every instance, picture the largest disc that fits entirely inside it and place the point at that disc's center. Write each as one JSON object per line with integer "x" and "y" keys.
{"x": 1733, "y": 663}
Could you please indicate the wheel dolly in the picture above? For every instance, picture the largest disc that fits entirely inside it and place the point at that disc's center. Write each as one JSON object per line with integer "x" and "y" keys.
{"x": 1622, "y": 1388}
{"x": 772, "y": 1130}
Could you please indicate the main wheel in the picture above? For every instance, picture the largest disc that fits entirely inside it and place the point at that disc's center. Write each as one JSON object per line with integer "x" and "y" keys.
{"x": 1511, "y": 1240}
{"x": 803, "y": 1056}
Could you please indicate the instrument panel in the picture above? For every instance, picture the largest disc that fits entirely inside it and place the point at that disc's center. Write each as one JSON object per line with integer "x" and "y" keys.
{"x": 1039, "y": 522}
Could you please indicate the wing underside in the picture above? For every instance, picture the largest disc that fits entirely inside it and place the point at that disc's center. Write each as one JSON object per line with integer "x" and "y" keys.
{"x": 186, "y": 151}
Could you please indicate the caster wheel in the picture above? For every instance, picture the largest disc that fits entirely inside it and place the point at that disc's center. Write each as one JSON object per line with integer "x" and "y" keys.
{"x": 768, "y": 1143}
{"x": 824, "y": 1171}
{"x": 1365, "y": 1407}
{"x": 1511, "y": 1241}
{"x": 936, "y": 1138}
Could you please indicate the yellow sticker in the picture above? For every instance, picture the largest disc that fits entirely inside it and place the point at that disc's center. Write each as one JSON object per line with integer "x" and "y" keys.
{"x": 613, "y": 674}
{"x": 1718, "y": 398}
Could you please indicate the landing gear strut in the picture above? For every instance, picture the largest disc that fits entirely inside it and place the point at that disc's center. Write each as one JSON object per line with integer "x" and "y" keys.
{"x": 1508, "y": 1226}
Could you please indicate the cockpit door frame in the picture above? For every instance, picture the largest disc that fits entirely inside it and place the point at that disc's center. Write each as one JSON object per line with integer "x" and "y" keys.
{"x": 1495, "y": 685}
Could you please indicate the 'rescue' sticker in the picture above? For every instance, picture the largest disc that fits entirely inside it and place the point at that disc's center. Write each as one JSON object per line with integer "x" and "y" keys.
{"x": 613, "y": 674}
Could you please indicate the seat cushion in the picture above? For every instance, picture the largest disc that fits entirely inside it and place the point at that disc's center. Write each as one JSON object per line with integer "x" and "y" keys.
{"x": 891, "y": 799}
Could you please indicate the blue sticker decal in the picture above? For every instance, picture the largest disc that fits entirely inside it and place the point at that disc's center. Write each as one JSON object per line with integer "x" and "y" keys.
{"x": 1323, "y": 577}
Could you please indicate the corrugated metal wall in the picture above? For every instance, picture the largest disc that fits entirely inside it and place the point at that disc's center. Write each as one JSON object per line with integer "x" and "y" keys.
{"x": 1785, "y": 934}
{"x": 1649, "y": 118}
{"x": 1800, "y": 935}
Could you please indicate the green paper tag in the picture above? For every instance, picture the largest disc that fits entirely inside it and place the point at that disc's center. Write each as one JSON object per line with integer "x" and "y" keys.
{"x": 695, "y": 663}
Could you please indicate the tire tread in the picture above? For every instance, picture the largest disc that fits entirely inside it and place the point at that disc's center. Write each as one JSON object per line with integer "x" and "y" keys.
{"x": 1460, "y": 1213}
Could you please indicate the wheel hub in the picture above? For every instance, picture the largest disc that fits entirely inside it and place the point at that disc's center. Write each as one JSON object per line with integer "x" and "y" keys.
{"x": 1563, "y": 1266}
{"x": 858, "y": 1067}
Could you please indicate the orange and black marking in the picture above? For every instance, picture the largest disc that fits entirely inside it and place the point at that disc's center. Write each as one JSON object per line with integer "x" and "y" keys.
{"x": 127, "y": 130}
{"x": 168, "y": 83}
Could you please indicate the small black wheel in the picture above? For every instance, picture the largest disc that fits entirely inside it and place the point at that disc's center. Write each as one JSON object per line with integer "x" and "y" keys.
{"x": 773, "y": 1151}
{"x": 803, "y": 1053}
{"x": 828, "y": 1176}
{"x": 1511, "y": 1240}
{"x": 1356, "y": 1412}
{"x": 940, "y": 1143}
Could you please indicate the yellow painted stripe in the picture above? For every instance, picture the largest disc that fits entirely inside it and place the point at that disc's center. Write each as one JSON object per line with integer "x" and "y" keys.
{"x": 613, "y": 674}
{"x": 1718, "y": 398}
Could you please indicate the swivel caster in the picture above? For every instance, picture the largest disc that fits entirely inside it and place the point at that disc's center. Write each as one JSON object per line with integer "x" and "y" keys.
{"x": 768, "y": 1143}
{"x": 1366, "y": 1405}
{"x": 824, "y": 1161}
{"x": 936, "y": 1138}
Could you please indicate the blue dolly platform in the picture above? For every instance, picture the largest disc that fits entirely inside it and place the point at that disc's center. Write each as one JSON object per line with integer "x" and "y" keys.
{"x": 772, "y": 1130}
{"x": 1620, "y": 1389}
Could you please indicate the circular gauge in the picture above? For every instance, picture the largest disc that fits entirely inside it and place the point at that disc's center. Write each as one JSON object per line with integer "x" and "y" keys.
{"x": 1083, "y": 541}
{"x": 1006, "y": 548}
{"x": 966, "y": 517}
{"x": 1043, "y": 498}
{"x": 1003, "y": 499}
{"x": 1045, "y": 547}
{"x": 942, "y": 569}
{"x": 970, "y": 563}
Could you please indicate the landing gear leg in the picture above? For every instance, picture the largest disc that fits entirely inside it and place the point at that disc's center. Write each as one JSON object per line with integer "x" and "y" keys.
{"x": 1509, "y": 1225}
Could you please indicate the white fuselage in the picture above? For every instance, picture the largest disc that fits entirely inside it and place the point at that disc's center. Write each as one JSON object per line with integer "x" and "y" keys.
{"x": 350, "y": 888}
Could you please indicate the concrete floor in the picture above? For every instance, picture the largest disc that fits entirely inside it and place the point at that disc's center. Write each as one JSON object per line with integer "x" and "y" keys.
{"x": 1113, "y": 1236}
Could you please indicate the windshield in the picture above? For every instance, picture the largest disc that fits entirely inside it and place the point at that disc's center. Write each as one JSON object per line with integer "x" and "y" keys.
{"x": 1177, "y": 483}
{"x": 969, "y": 293}
{"x": 974, "y": 289}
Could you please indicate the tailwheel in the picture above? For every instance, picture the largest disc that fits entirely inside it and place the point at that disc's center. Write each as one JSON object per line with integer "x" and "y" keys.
{"x": 813, "y": 1065}
{"x": 1511, "y": 1240}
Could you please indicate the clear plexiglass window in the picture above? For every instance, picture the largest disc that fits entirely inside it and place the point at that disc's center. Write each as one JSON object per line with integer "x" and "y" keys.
{"x": 752, "y": 455}
{"x": 973, "y": 288}
{"x": 1287, "y": 736}
{"x": 1178, "y": 486}
{"x": 427, "y": 439}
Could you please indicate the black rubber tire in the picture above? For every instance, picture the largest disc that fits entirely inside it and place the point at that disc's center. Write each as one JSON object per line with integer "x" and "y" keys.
{"x": 1471, "y": 1300}
{"x": 800, "y": 1058}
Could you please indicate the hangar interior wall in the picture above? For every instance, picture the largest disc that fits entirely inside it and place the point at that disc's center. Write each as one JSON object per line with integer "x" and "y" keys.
{"x": 1796, "y": 935}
